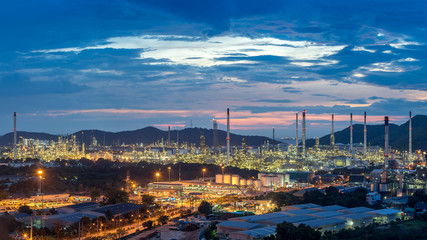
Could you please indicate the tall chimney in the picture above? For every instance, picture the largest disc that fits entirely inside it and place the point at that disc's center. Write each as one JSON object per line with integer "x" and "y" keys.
{"x": 228, "y": 136}
{"x": 14, "y": 136}
{"x": 386, "y": 142}
{"x": 332, "y": 143}
{"x": 410, "y": 133}
{"x": 351, "y": 134}
{"x": 273, "y": 136}
{"x": 169, "y": 136}
{"x": 215, "y": 135}
{"x": 296, "y": 138}
{"x": 177, "y": 139}
{"x": 365, "y": 131}
{"x": 303, "y": 133}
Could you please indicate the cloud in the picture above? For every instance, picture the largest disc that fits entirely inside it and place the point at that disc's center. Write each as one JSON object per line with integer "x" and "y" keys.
{"x": 134, "y": 112}
{"x": 199, "y": 57}
{"x": 17, "y": 85}
{"x": 291, "y": 90}
{"x": 274, "y": 100}
{"x": 173, "y": 49}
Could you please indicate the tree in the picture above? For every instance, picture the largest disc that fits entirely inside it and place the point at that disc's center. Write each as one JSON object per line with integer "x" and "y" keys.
{"x": 148, "y": 224}
{"x": 331, "y": 191}
{"x": 52, "y": 211}
{"x": 205, "y": 208}
{"x": 116, "y": 196}
{"x": 147, "y": 199}
{"x": 58, "y": 226}
{"x": 314, "y": 196}
{"x": 3, "y": 195}
{"x": 287, "y": 231}
{"x": 163, "y": 219}
{"x": 25, "y": 209}
{"x": 95, "y": 193}
{"x": 282, "y": 198}
{"x": 109, "y": 215}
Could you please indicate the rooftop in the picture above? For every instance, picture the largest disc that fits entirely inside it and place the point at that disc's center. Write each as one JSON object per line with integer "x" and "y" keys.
{"x": 262, "y": 217}
{"x": 385, "y": 212}
{"x": 327, "y": 214}
{"x": 356, "y": 210}
{"x": 293, "y": 219}
{"x": 259, "y": 232}
{"x": 323, "y": 222}
{"x": 355, "y": 216}
{"x": 239, "y": 224}
{"x": 300, "y": 206}
{"x": 82, "y": 205}
{"x": 75, "y": 217}
{"x": 329, "y": 208}
{"x": 120, "y": 208}
{"x": 298, "y": 211}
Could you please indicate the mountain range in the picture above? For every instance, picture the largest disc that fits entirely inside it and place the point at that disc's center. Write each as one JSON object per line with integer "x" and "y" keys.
{"x": 146, "y": 136}
{"x": 398, "y": 135}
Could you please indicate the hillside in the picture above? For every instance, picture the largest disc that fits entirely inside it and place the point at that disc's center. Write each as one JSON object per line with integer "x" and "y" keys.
{"x": 399, "y": 137}
{"x": 145, "y": 135}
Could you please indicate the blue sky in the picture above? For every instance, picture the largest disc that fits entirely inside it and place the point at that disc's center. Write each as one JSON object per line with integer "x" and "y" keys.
{"x": 122, "y": 65}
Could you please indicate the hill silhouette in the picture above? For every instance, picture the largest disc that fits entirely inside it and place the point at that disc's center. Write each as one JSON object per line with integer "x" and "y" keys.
{"x": 145, "y": 135}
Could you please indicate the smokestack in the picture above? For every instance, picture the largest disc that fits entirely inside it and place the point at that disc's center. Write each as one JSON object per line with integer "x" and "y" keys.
{"x": 177, "y": 139}
{"x": 169, "y": 136}
{"x": 215, "y": 135}
{"x": 296, "y": 138}
{"x": 410, "y": 133}
{"x": 365, "y": 131}
{"x": 273, "y": 134}
{"x": 14, "y": 136}
{"x": 228, "y": 136}
{"x": 351, "y": 134}
{"x": 332, "y": 144}
{"x": 386, "y": 142}
{"x": 303, "y": 133}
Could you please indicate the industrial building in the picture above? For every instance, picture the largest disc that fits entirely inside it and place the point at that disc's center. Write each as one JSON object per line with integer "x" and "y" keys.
{"x": 189, "y": 187}
{"x": 321, "y": 218}
{"x": 73, "y": 214}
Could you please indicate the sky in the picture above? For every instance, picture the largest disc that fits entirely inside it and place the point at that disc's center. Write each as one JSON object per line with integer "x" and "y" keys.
{"x": 127, "y": 64}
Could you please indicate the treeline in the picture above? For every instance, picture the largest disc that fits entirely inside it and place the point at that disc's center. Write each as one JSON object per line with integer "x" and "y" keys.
{"x": 85, "y": 175}
{"x": 413, "y": 230}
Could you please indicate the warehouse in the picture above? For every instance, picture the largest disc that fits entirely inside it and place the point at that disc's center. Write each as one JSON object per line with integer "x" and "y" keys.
{"x": 228, "y": 227}
{"x": 322, "y": 218}
{"x": 387, "y": 215}
{"x": 325, "y": 224}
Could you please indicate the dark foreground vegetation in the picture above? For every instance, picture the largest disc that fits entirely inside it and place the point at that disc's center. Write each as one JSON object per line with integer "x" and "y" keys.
{"x": 85, "y": 176}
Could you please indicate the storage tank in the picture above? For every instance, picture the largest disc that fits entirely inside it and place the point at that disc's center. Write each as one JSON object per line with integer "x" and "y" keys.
{"x": 250, "y": 182}
{"x": 227, "y": 179}
{"x": 374, "y": 187}
{"x": 219, "y": 178}
{"x": 235, "y": 179}
{"x": 287, "y": 178}
{"x": 242, "y": 182}
{"x": 266, "y": 181}
{"x": 257, "y": 184}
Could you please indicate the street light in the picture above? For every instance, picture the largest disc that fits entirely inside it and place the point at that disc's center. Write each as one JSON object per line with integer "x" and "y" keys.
{"x": 40, "y": 172}
{"x": 169, "y": 168}
{"x": 203, "y": 171}
{"x": 223, "y": 170}
{"x": 157, "y": 177}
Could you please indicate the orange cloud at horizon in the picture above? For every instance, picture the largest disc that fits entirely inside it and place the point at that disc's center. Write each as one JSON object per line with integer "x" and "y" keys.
{"x": 239, "y": 119}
